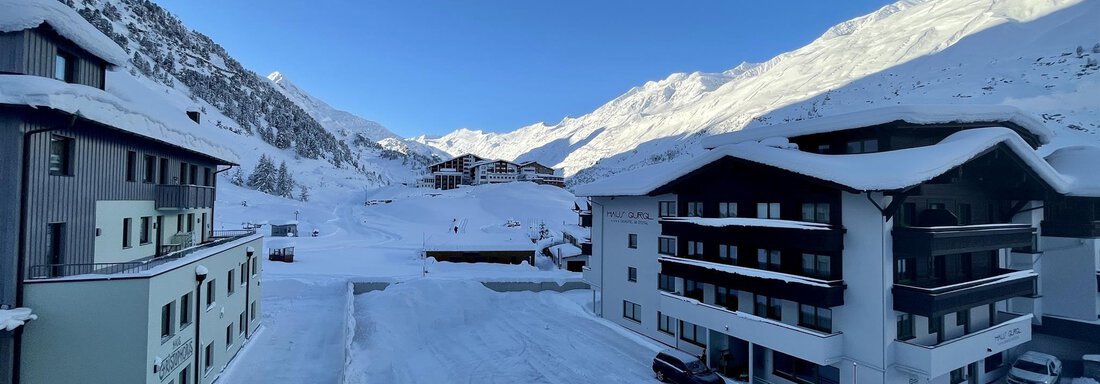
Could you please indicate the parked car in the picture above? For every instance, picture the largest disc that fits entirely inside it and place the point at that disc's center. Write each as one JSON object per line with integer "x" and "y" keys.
{"x": 1035, "y": 368}
{"x": 674, "y": 366}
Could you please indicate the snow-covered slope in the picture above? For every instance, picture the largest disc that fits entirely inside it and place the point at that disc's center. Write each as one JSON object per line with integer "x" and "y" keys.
{"x": 1015, "y": 52}
{"x": 343, "y": 124}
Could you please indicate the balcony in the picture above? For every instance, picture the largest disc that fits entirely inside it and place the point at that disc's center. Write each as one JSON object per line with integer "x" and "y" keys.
{"x": 761, "y": 233}
{"x": 930, "y": 300}
{"x": 585, "y": 219}
{"x": 806, "y": 344}
{"x": 114, "y": 270}
{"x": 1065, "y": 228}
{"x": 586, "y": 248}
{"x": 934, "y": 241}
{"x": 179, "y": 197}
{"x": 806, "y": 290}
{"x": 933, "y": 361}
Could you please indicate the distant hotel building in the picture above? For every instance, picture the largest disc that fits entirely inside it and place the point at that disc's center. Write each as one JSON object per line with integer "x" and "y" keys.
{"x": 473, "y": 170}
{"x": 901, "y": 245}
{"x": 107, "y": 234}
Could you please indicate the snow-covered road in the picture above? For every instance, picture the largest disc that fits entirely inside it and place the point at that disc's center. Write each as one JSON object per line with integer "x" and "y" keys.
{"x": 458, "y": 331}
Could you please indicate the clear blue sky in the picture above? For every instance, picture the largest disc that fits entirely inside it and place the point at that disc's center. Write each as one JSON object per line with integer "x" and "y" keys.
{"x": 432, "y": 66}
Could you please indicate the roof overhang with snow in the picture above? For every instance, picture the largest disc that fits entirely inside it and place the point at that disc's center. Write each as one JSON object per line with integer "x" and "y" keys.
{"x": 880, "y": 171}
{"x": 95, "y": 106}
{"x": 21, "y": 15}
{"x": 931, "y": 116}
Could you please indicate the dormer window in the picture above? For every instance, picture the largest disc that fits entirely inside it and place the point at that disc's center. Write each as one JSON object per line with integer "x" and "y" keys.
{"x": 64, "y": 65}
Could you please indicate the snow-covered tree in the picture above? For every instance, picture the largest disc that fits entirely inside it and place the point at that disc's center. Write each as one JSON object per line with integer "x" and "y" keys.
{"x": 284, "y": 183}
{"x": 264, "y": 177}
{"x": 303, "y": 193}
{"x": 1080, "y": 51}
{"x": 1096, "y": 48}
{"x": 237, "y": 178}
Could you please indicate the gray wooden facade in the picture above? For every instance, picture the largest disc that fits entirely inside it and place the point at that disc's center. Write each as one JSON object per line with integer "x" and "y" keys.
{"x": 32, "y": 52}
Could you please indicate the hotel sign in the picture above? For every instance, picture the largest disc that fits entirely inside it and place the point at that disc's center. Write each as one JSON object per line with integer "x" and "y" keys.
{"x": 1010, "y": 336}
{"x": 630, "y": 217}
{"x": 181, "y": 355}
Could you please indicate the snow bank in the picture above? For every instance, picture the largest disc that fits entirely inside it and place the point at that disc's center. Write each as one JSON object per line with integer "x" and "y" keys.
{"x": 879, "y": 171}
{"x": 18, "y": 15}
{"x": 123, "y": 108}
{"x": 10, "y": 319}
{"x": 578, "y": 232}
{"x": 747, "y": 222}
{"x": 995, "y": 115}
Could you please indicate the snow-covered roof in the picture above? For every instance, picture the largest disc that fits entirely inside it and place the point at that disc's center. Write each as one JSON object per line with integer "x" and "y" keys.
{"x": 283, "y": 222}
{"x": 477, "y": 242}
{"x": 747, "y": 222}
{"x": 565, "y": 250}
{"x": 19, "y": 15}
{"x": 139, "y": 117}
{"x": 578, "y": 232}
{"x": 879, "y": 171}
{"x": 10, "y": 319}
{"x": 995, "y": 115}
{"x": 1077, "y": 165}
{"x": 750, "y": 272}
{"x": 582, "y": 204}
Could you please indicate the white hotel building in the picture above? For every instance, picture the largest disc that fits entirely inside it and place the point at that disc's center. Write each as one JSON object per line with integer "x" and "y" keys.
{"x": 900, "y": 245}
{"x": 107, "y": 233}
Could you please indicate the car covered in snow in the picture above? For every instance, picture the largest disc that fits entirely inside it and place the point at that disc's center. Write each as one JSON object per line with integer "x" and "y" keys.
{"x": 674, "y": 366}
{"x": 1035, "y": 368}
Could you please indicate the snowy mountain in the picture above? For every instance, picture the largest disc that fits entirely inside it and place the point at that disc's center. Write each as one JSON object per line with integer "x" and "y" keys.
{"x": 1015, "y": 52}
{"x": 322, "y": 146}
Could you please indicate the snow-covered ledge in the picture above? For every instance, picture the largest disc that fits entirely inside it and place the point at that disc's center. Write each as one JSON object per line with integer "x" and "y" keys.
{"x": 10, "y": 319}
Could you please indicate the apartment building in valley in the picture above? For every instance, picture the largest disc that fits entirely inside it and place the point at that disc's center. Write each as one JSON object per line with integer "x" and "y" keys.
{"x": 897, "y": 245}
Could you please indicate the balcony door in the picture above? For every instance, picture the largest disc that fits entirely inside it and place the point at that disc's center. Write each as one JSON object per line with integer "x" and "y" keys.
{"x": 160, "y": 235}
{"x": 202, "y": 229}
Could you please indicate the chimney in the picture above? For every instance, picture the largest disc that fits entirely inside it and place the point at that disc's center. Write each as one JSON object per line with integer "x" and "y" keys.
{"x": 194, "y": 116}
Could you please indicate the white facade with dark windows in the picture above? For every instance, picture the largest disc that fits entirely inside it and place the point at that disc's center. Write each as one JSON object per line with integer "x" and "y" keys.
{"x": 859, "y": 248}
{"x": 108, "y": 234}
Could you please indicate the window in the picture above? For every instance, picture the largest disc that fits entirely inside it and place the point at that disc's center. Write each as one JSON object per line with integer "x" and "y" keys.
{"x": 725, "y": 297}
{"x": 863, "y": 146}
{"x": 695, "y": 248}
{"x": 817, "y": 265}
{"x": 150, "y": 169}
{"x": 994, "y": 361}
{"x": 55, "y": 240}
{"x": 905, "y": 326}
{"x": 183, "y": 174}
{"x": 253, "y": 313}
{"x": 962, "y": 319}
{"x": 242, "y": 320}
{"x": 632, "y": 240}
{"x": 190, "y": 222}
{"x": 904, "y": 270}
{"x": 229, "y": 282}
{"x": 255, "y": 269}
{"x": 126, "y": 224}
{"x": 816, "y": 212}
{"x": 244, "y": 272}
{"x": 768, "y": 259}
{"x": 144, "y": 230}
{"x": 206, "y": 179}
{"x": 802, "y": 371}
{"x": 767, "y": 210}
{"x": 61, "y": 151}
{"x": 958, "y": 375}
{"x": 813, "y": 317}
{"x": 666, "y": 283}
{"x": 666, "y": 246}
{"x": 727, "y": 253}
{"x": 193, "y": 178}
{"x": 64, "y": 67}
{"x": 693, "y": 289}
{"x": 694, "y": 209}
{"x": 131, "y": 165}
{"x": 767, "y": 307}
{"x": 727, "y": 209}
{"x": 664, "y": 323}
{"x": 185, "y": 310}
{"x": 163, "y": 177}
{"x": 210, "y": 292}
{"x": 229, "y": 335}
{"x": 935, "y": 324}
{"x": 208, "y": 362}
{"x": 666, "y": 208}
{"x": 166, "y": 317}
{"x": 692, "y": 333}
{"x": 632, "y": 311}
{"x": 185, "y": 375}
{"x": 632, "y": 274}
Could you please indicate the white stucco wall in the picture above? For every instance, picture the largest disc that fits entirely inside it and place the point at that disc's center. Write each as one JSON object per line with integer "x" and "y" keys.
{"x": 109, "y": 218}
{"x": 1067, "y": 275}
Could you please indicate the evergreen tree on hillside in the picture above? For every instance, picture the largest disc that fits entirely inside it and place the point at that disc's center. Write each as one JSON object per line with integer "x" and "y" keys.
{"x": 237, "y": 178}
{"x": 303, "y": 193}
{"x": 284, "y": 183}
{"x": 264, "y": 177}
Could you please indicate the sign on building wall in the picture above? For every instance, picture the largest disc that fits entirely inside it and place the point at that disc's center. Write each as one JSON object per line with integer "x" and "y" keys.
{"x": 182, "y": 354}
{"x": 630, "y": 217}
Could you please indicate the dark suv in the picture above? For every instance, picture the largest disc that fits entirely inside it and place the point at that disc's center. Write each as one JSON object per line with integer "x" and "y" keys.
{"x": 681, "y": 368}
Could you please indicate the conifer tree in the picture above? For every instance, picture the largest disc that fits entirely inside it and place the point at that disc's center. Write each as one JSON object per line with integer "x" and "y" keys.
{"x": 284, "y": 183}
{"x": 263, "y": 178}
{"x": 303, "y": 193}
